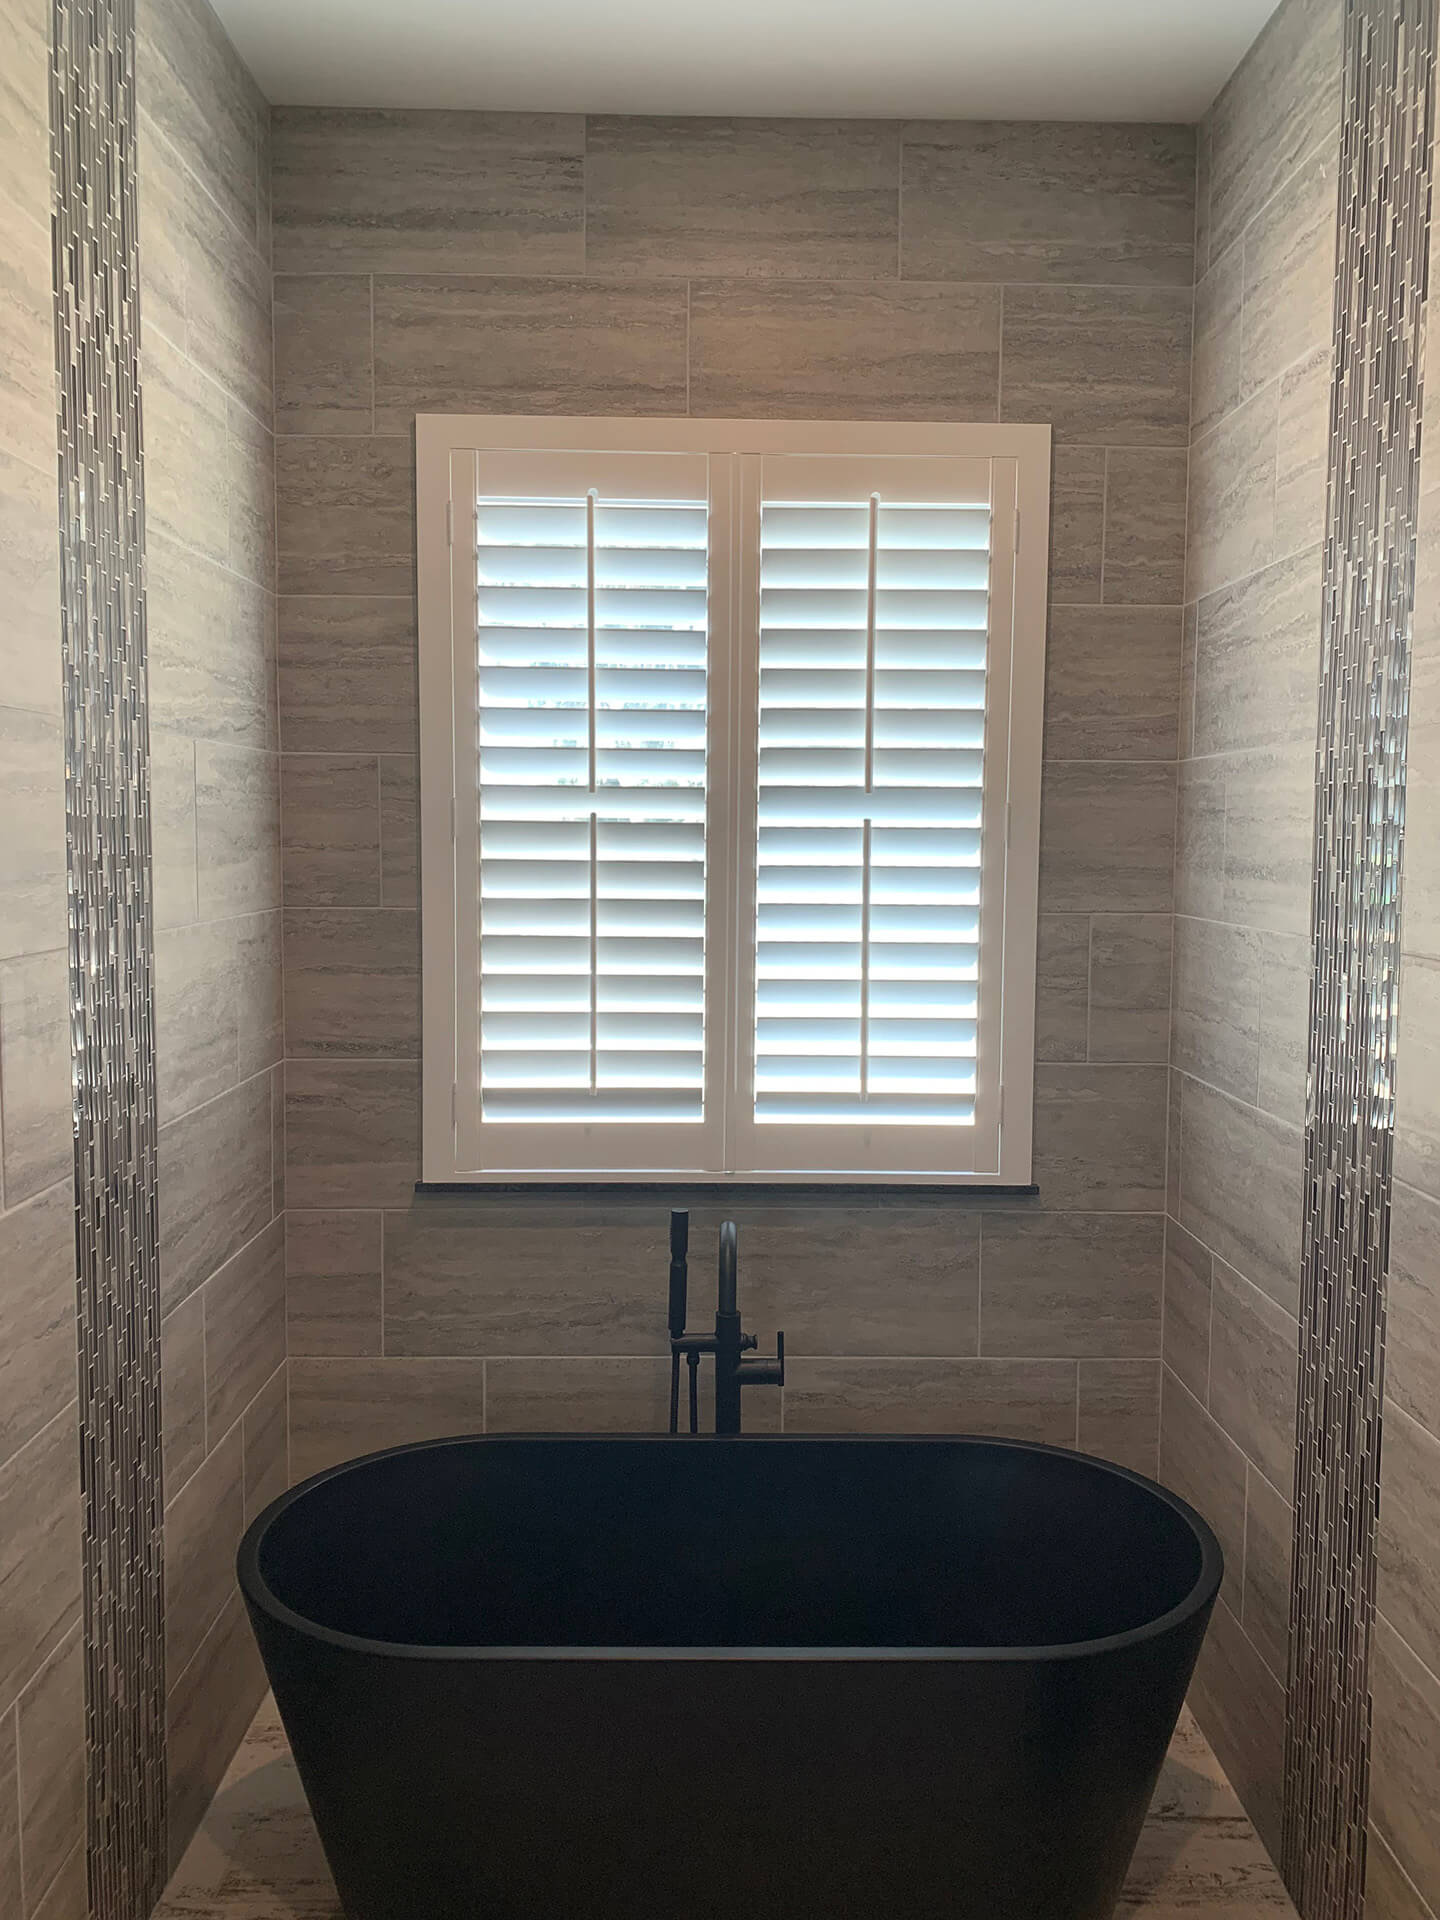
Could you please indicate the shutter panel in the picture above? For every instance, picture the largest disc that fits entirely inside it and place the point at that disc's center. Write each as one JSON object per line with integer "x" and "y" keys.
{"x": 591, "y": 662}
{"x": 873, "y": 643}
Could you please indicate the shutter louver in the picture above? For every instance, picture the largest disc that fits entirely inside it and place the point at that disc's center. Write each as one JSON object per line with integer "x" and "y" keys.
{"x": 873, "y": 653}
{"x": 592, "y": 617}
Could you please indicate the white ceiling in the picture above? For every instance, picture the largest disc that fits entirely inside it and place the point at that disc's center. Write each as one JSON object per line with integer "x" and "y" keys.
{"x": 960, "y": 59}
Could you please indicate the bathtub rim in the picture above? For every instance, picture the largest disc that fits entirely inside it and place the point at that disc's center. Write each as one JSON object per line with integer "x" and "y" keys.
{"x": 1201, "y": 1596}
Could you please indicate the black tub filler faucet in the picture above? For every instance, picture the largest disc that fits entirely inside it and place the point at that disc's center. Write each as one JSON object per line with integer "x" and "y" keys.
{"x": 736, "y": 1364}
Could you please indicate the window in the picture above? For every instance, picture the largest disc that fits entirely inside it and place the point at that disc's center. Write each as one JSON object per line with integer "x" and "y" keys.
{"x": 730, "y": 781}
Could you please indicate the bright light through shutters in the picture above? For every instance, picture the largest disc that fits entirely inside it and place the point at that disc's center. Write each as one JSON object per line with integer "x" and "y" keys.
{"x": 592, "y": 618}
{"x": 873, "y": 645}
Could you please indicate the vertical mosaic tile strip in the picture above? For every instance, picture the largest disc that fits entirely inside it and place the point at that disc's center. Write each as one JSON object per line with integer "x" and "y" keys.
{"x": 1360, "y": 812}
{"x": 93, "y": 129}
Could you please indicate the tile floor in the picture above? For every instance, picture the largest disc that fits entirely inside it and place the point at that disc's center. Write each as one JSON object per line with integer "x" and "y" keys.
{"x": 257, "y": 1858}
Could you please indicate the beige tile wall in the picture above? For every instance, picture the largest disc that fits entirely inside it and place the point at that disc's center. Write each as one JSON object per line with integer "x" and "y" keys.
{"x": 542, "y": 263}
{"x": 1259, "y": 411}
{"x": 1404, "y": 1863}
{"x": 42, "y": 1729}
{"x": 210, "y": 549}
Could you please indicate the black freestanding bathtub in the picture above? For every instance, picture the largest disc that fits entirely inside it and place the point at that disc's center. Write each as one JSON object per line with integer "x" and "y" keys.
{"x": 832, "y": 1679}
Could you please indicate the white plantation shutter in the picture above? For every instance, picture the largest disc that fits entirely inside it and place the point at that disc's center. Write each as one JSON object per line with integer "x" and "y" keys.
{"x": 736, "y": 756}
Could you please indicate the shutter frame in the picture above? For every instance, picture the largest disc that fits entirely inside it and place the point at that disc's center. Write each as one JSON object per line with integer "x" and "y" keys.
{"x": 725, "y": 1146}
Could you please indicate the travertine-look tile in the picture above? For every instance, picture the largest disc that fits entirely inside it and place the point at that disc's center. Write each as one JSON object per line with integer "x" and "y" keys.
{"x": 182, "y": 1382}
{"x": 39, "y": 1549}
{"x": 1390, "y": 1893}
{"x": 1112, "y": 683}
{"x": 1284, "y": 1024}
{"x": 209, "y": 1707}
{"x": 1108, "y": 367}
{"x": 244, "y": 1327}
{"x": 330, "y": 805}
{"x": 346, "y": 514}
{"x": 32, "y": 848}
{"x": 1200, "y": 840}
{"x": 186, "y": 442}
{"x": 455, "y": 1283}
{"x": 1216, "y": 1031}
{"x": 352, "y": 1131}
{"x": 174, "y": 860}
{"x": 1282, "y": 102}
{"x": 215, "y": 1186}
{"x": 856, "y": 1279}
{"x": 1417, "y": 1101}
{"x": 324, "y": 370}
{"x": 1231, "y": 529}
{"x": 203, "y": 1524}
{"x": 218, "y": 1014}
{"x": 35, "y": 1084}
{"x": 27, "y": 378}
{"x": 847, "y": 349}
{"x": 237, "y": 829}
{"x": 364, "y": 190}
{"x": 1067, "y": 202}
{"x": 1269, "y": 1535}
{"x": 352, "y": 983}
{"x": 1062, "y": 986}
{"x": 194, "y": 87}
{"x": 1200, "y": 1462}
{"x": 1257, "y": 658}
{"x": 29, "y": 585}
{"x": 1409, "y": 1584}
{"x": 250, "y": 495}
{"x": 347, "y": 675}
{"x": 227, "y": 305}
{"x": 1412, "y": 1306}
{"x": 584, "y": 1396}
{"x": 1130, "y": 959}
{"x": 1302, "y": 455}
{"x": 1187, "y": 681}
{"x": 1079, "y": 1285}
{"x": 444, "y": 342}
{"x": 1145, "y": 495}
{"x": 37, "y": 1280}
{"x": 1215, "y": 369}
{"x": 1254, "y": 1358}
{"x": 783, "y": 198}
{"x": 344, "y": 1407}
{"x": 51, "y": 1724}
{"x": 211, "y": 649}
{"x": 11, "y": 1890}
{"x": 1187, "y": 1310}
{"x": 265, "y": 1429}
{"x": 24, "y": 121}
{"x": 1290, "y": 272}
{"x": 1269, "y": 844}
{"x": 1405, "y": 1755}
{"x": 1120, "y": 1412}
{"x": 332, "y": 1281}
{"x": 1100, "y": 1136}
{"x": 1014, "y": 1399}
{"x": 399, "y": 831}
{"x": 1107, "y": 838}
{"x": 1077, "y": 524}
{"x": 1241, "y": 1176}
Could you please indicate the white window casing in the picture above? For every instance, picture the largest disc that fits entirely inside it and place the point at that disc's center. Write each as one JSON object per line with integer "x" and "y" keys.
{"x": 730, "y": 792}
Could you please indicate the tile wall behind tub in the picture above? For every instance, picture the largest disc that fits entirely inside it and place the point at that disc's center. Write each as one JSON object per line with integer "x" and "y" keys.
{"x": 210, "y": 537}
{"x": 540, "y": 263}
{"x": 1265, "y": 262}
{"x": 1404, "y": 1862}
{"x": 42, "y": 1724}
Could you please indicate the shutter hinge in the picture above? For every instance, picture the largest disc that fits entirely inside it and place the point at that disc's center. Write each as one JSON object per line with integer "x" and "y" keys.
{"x": 1000, "y": 1115}
{"x": 454, "y": 1105}
{"x": 1017, "y": 529}
{"x": 449, "y": 523}
{"x": 452, "y": 819}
